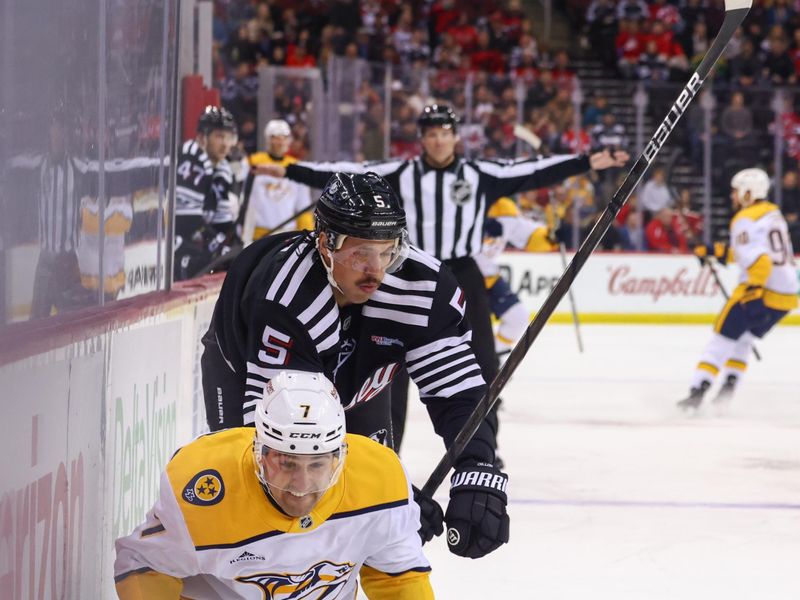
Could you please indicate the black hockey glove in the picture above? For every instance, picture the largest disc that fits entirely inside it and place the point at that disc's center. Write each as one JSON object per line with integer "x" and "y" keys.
{"x": 430, "y": 516}
{"x": 477, "y": 522}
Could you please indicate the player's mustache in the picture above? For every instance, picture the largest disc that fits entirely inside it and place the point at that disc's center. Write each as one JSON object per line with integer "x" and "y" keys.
{"x": 369, "y": 281}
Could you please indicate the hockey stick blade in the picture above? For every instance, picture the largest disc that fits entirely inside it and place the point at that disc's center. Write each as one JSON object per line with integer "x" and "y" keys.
{"x": 526, "y": 135}
{"x": 735, "y": 12}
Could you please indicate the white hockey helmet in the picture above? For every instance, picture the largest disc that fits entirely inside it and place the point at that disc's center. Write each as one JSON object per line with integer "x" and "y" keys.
{"x": 300, "y": 413}
{"x": 277, "y": 127}
{"x": 755, "y": 181}
{"x": 299, "y": 421}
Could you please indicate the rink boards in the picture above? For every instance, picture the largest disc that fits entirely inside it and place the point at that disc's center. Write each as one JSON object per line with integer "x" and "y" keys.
{"x": 618, "y": 287}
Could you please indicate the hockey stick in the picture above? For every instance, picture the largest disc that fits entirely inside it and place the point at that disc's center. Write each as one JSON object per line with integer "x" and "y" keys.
{"x": 571, "y": 296}
{"x": 727, "y": 297}
{"x": 735, "y": 12}
{"x": 526, "y": 135}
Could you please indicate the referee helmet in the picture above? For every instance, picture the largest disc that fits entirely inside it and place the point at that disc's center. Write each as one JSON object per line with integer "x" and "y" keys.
{"x": 437, "y": 115}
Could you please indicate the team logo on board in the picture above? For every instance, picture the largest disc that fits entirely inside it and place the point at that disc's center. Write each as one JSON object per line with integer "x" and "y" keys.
{"x": 323, "y": 580}
{"x": 460, "y": 192}
{"x": 204, "y": 489}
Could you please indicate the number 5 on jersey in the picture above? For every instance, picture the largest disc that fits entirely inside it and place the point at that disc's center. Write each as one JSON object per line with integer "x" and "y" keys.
{"x": 276, "y": 346}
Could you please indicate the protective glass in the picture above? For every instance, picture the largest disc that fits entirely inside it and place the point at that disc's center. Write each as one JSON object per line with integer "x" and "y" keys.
{"x": 301, "y": 474}
{"x": 373, "y": 257}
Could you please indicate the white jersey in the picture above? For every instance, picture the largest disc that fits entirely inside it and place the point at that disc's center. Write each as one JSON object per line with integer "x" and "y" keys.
{"x": 517, "y": 231}
{"x": 214, "y": 528}
{"x": 760, "y": 230}
{"x": 273, "y": 200}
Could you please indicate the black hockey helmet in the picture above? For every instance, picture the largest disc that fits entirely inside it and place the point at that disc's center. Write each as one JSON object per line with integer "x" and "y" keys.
{"x": 362, "y": 206}
{"x": 215, "y": 118}
{"x": 437, "y": 115}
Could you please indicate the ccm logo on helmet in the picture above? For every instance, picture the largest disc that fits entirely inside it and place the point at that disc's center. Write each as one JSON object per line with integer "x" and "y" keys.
{"x": 305, "y": 436}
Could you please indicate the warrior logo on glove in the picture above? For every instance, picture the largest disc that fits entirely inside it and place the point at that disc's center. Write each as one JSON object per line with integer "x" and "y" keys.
{"x": 477, "y": 522}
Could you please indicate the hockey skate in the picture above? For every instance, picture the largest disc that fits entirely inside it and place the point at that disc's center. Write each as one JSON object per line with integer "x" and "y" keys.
{"x": 695, "y": 397}
{"x": 726, "y": 391}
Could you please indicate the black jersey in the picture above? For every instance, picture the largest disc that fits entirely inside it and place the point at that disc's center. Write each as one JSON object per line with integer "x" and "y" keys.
{"x": 193, "y": 183}
{"x": 277, "y": 311}
{"x": 445, "y": 208}
{"x": 225, "y": 193}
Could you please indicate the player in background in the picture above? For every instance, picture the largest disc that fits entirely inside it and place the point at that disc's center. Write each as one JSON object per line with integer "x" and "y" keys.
{"x": 219, "y": 137}
{"x": 760, "y": 245}
{"x": 506, "y": 225}
{"x": 205, "y": 195}
{"x": 270, "y": 201}
{"x": 337, "y": 301}
{"x": 194, "y": 204}
{"x": 296, "y": 508}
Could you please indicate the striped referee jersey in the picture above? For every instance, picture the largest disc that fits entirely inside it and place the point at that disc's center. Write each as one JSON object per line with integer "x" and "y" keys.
{"x": 60, "y": 188}
{"x": 277, "y": 311}
{"x": 446, "y": 207}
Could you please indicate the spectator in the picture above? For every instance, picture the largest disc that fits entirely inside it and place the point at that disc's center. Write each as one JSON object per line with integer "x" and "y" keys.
{"x": 631, "y": 233}
{"x": 601, "y": 17}
{"x": 609, "y": 133}
{"x": 688, "y": 222}
{"x": 563, "y": 75}
{"x": 464, "y": 33}
{"x": 655, "y": 194}
{"x": 594, "y": 112}
{"x": 736, "y": 122}
{"x": 692, "y": 11}
{"x": 745, "y": 69}
{"x": 632, "y": 10}
{"x": 696, "y": 45}
{"x": 661, "y": 234}
{"x": 526, "y": 49}
{"x": 652, "y": 64}
{"x": 630, "y": 44}
{"x": 780, "y": 13}
{"x": 485, "y": 57}
{"x": 778, "y": 67}
{"x": 666, "y": 14}
{"x": 541, "y": 92}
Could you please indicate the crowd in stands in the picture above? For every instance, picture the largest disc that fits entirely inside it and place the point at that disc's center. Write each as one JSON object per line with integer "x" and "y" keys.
{"x": 485, "y": 60}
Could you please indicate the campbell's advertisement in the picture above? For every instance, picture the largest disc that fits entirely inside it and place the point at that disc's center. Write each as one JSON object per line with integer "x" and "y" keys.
{"x": 632, "y": 287}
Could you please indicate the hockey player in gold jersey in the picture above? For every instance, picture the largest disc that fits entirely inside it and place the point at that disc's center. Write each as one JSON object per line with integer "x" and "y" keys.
{"x": 506, "y": 225}
{"x": 269, "y": 201}
{"x": 767, "y": 290}
{"x": 299, "y": 510}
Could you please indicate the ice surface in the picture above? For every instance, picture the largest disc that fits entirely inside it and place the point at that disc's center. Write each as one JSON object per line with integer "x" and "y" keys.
{"x": 616, "y": 495}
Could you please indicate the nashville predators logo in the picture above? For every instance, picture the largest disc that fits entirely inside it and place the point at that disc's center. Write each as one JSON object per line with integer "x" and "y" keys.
{"x": 323, "y": 580}
{"x": 204, "y": 489}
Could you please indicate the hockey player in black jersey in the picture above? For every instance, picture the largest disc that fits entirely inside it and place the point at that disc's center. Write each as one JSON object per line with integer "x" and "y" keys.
{"x": 205, "y": 195}
{"x": 355, "y": 301}
{"x": 446, "y": 197}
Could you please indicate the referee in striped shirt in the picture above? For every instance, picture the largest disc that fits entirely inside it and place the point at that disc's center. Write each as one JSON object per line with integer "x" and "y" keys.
{"x": 57, "y": 276}
{"x": 446, "y": 197}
